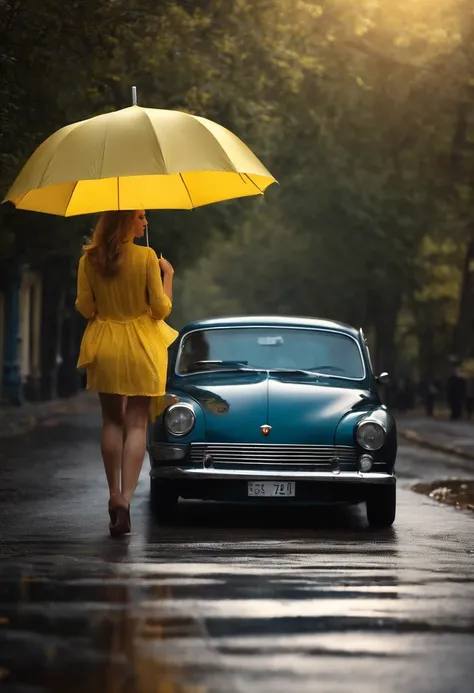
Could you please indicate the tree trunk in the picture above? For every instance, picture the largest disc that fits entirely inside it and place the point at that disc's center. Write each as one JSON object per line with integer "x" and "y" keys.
{"x": 464, "y": 333}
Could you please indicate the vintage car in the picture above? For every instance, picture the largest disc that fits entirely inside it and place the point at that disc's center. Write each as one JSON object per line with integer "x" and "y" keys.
{"x": 274, "y": 409}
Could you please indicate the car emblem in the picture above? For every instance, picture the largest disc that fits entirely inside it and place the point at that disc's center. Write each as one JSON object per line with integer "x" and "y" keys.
{"x": 265, "y": 429}
{"x": 208, "y": 461}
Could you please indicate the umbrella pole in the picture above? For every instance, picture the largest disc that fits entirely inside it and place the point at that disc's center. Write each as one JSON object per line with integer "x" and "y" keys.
{"x": 134, "y": 102}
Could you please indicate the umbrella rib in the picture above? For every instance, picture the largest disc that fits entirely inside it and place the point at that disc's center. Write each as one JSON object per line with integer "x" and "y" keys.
{"x": 22, "y": 198}
{"x": 104, "y": 147}
{"x": 70, "y": 198}
{"x": 187, "y": 190}
{"x": 155, "y": 136}
{"x": 55, "y": 150}
{"x": 253, "y": 183}
{"x": 216, "y": 141}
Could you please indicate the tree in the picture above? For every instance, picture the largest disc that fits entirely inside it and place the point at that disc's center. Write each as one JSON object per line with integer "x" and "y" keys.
{"x": 363, "y": 111}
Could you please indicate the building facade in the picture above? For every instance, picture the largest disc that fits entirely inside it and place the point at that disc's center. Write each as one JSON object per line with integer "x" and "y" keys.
{"x": 20, "y": 335}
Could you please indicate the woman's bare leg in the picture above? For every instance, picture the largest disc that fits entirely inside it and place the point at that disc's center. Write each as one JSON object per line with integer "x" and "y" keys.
{"x": 113, "y": 409}
{"x": 136, "y": 419}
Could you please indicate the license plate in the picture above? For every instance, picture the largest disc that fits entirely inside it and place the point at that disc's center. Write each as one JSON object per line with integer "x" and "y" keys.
{"x": 271, "y": 489}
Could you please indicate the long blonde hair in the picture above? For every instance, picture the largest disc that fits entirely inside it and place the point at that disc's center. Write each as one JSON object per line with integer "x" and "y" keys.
{"x": 110, "y": 233}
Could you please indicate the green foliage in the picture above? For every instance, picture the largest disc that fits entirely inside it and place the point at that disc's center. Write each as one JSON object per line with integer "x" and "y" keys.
{"x": 363, "y": 110}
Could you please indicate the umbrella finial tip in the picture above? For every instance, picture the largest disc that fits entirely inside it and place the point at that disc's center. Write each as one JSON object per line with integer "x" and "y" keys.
{"x": 134, "y": 96}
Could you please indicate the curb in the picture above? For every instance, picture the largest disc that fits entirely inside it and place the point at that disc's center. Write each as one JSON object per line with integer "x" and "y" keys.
{"x": 414, "y": 437}
{"x": 24, "y": 423}
{"x": 18, "y": 422}
{"x": 18, "y": 428}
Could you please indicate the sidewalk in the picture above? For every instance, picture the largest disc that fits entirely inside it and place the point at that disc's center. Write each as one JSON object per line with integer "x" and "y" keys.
{"x": 452, "y": 437}
{"x": 15, "y": 421}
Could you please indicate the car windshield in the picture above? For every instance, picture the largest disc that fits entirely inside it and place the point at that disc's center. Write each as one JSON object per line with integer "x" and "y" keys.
{"x": 332, "y": 354}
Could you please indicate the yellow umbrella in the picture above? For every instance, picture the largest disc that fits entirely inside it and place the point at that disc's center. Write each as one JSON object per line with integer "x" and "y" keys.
{"x": 137, "y": 158}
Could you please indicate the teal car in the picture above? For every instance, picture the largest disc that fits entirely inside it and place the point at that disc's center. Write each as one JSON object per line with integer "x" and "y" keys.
{"x": 274, "y": 410}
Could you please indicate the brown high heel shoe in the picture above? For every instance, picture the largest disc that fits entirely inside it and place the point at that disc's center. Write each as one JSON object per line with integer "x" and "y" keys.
{"x": 119, "y": 512}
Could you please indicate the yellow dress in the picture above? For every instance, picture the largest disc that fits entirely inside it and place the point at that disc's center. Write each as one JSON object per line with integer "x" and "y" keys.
{"x": 124, "y": 347}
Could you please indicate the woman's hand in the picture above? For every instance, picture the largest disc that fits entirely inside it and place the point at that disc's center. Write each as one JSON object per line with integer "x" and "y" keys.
{"x": 168, "y": 272}
{"x": 166, "y": 267}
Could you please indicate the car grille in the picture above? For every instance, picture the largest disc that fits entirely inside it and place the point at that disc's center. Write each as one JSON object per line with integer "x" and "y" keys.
{"x": 263, "y": 456}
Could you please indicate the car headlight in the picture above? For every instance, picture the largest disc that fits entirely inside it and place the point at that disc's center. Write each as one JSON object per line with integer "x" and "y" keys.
{"x": 370, "y": 435}
{"x": 179, "y": 419}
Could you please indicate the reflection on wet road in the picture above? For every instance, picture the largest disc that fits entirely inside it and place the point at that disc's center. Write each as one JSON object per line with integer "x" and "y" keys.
{"x": 227, "y": 599}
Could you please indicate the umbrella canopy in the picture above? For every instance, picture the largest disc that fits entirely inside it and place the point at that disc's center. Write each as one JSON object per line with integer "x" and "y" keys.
{"x": 137, "y": 158}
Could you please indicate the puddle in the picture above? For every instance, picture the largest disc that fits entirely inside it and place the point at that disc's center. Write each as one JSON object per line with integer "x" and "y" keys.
{"x": 52, "y": 639}
{"x": 456, "y": 492}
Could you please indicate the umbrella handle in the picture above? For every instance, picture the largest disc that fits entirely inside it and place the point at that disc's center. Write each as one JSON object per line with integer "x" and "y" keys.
{"x": 146, "y": 235}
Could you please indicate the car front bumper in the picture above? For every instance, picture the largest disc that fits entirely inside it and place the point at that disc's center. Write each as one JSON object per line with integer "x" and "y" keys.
{"x": 178, "y": 472}
{"x": 173, "y": 463}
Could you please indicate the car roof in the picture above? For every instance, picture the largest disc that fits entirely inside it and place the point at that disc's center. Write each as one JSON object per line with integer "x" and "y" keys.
{"x": 271, "y": 321}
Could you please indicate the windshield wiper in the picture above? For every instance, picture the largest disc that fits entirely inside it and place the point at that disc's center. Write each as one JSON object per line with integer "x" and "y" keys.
{"x": 300, "y": 371}
{"x": 331, "y": 368}
{"x": 196, "y": 366}
{"x": 215, "y": 365}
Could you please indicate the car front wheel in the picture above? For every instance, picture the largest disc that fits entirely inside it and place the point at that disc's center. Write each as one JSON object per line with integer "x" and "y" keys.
{"x": 164, "y": 499}
{"x": 381, "y": 506}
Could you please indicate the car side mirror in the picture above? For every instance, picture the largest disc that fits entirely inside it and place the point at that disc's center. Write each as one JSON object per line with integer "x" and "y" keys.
{"x": 383, "y": 379}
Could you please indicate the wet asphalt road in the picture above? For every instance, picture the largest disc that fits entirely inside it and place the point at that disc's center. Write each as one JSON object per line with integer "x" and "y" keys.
{"x": 226, "y": 599}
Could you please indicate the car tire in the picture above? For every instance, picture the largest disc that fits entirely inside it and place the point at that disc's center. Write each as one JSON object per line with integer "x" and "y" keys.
{"x": 381, "y": 506}
{"x": 164, "y": 499}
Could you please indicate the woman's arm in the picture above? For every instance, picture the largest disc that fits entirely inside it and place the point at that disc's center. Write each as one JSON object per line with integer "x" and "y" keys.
{"x": 159, "y": 293}
{"x": 85, "y": 301}
{"x": 168, "y": 274}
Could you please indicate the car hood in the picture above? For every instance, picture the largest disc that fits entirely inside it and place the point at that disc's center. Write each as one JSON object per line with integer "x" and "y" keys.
{"x": 236, "y": 407}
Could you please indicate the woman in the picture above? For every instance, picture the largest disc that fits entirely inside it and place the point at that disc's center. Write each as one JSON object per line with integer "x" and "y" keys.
{"x": 124, "y": 347}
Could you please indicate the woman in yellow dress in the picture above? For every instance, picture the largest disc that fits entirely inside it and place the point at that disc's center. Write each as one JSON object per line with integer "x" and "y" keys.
{"x": 124, "y": 348}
